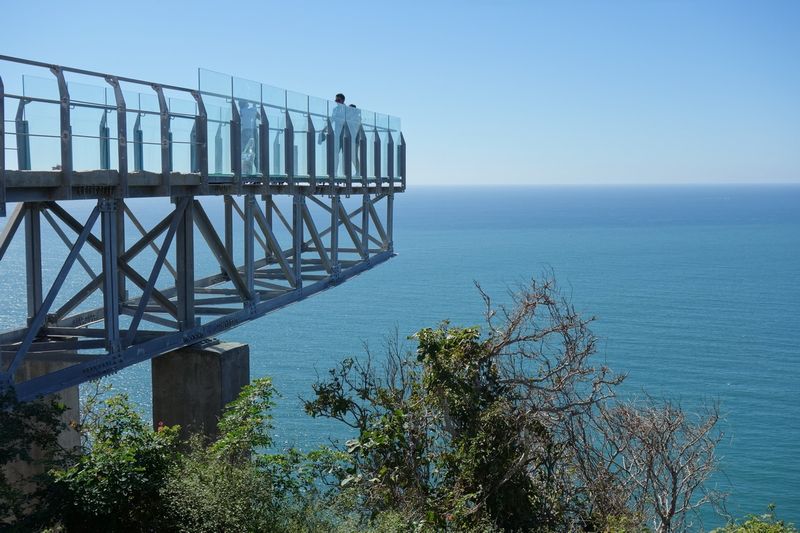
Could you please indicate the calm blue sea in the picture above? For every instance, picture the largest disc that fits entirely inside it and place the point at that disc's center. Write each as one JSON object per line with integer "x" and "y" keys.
{"x": 696, "y": 291}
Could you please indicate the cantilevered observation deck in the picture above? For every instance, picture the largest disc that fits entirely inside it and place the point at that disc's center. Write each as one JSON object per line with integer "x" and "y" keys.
{"x": 305, "y": 188}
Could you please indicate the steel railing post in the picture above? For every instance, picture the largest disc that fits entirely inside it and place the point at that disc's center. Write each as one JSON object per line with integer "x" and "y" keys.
{"x": 311, "y": 154}
{"x": 236, "y": 142}
{"x": 2, "y": 149}
{"x": 201, "y": 139}
{"x": 122, "y": 140}
{"x": 66, "y": 133}
{"x": 263, "y": 144}
{"x": 166, "y": 146}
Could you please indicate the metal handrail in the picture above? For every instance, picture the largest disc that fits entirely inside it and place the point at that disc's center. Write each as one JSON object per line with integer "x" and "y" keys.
{"x": 315, "y": 122}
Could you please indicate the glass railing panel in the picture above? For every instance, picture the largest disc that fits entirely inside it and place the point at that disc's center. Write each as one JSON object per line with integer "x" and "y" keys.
{"x": 247, "y": 95}
{"x": 94, "y": 127}
{"x": 214, "y": 83}
{"x": 219, "y": 139}
{"x": 382, "y": 130}
{"x": 182, "y": 134}
{"x": 274, "y": 104}
{"x": 370, "y": 135}
{"x": 297, "y": 106}
{"x": 143, "y": 122}
{"x": 10, "y": 139}
{"x": 338, "y": 115}
{"x": 39, "y": 131}
{"x": 394, "y": 130}
{"x": 217, "y": 89}
{"x": 354, "y": 122}
{"x": 318, "y": 111}
{"x": 37, "y": 87}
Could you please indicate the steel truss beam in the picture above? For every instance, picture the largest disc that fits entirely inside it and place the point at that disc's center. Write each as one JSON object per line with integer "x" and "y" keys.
{"x": 275, "y": 266}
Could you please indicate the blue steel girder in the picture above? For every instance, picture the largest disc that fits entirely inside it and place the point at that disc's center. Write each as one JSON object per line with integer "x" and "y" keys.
{"x": 307, "y": 262}
{"x": 264, "y": 149}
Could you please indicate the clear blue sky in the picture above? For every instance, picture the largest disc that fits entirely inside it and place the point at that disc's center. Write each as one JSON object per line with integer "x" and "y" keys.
{"x": 507, "y": 92}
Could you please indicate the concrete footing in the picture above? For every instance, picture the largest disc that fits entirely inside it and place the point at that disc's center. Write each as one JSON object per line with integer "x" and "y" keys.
{"x": 191, "y": 386}
{"x": 21, "y": 473}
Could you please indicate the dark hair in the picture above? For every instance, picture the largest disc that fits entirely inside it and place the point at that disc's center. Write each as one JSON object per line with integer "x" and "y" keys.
{"x": 340, "y": 95}
{"x": 352, "y": 105}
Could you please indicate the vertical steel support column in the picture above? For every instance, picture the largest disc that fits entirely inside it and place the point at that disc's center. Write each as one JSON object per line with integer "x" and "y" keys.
{"x": 2, "y": 149}
{"x": 268, "y": 202}
{"x": 263, "y": 144}
{"x": 236, "y": 142}
{"x": 311, "y": 154}
{"x": 23, "y": 139}
{"x": 335, "y": 267}
{"x": 123, "y": 291}
{"x": 390, "y": 220}
{"x": 365, "y": 223}
{"x": 402, "y": 162}
{"x": 249, "y": 242}
{"x": 329, "y": 154}
{"x": 108, "y": 229}
{"x": 33, "y": 257}
{"x": 138, "y": 144}
{"x": 201, "y": 139}
{"x": 218, "y": 149}
{"x": 361, "y": 146}
{"x": 376, "y": 148}
{"x": 166, "y": 147}
{"x": 66, "y": 133}
{"x": 390, "y": 159}
{"x": 105, "y": 142}
{"x": 297, "y": 237}
{"x": 184, "y": 255}
{"x": 288, "y": 148}
{"x": 228, "y": 224}
{"x": 122, "y": 141}
{"x": 347, "y": 153}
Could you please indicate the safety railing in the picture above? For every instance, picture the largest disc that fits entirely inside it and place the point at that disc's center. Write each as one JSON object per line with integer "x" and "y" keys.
{"x": 229, "y": 130}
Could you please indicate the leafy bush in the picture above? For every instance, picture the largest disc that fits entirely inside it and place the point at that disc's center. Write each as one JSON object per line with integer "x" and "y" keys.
{"x": 765, "y": 523}
{"x": 117, "y": 482}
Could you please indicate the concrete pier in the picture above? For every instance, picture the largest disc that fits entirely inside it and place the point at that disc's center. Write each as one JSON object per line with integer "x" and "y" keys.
{"x": 21, "y": 473}
{"x": 191, "y": 386}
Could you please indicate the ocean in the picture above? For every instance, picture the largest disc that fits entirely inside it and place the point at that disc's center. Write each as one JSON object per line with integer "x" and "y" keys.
{"x": 696, "y": 291}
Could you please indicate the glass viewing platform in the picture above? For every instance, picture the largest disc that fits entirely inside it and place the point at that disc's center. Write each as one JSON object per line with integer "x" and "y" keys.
{"x": 77, "y": 132}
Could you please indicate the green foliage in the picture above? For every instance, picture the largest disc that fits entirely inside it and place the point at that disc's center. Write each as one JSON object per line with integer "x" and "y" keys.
{"x": 463, "y": 433}
{"x": 26, "y": 426}
{"x": 205, "y": 493}
{"x": 246, "y": 422}
{"x": 765, "y": 523}
{"x": 116, "y": 483}
{"x": 509, "y": 428}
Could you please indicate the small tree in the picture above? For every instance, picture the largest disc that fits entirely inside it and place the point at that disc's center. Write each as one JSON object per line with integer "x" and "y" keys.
{"x": 516, "y": 428}
{"x": 464, "y": 431}
{"x": 115, "y": 484}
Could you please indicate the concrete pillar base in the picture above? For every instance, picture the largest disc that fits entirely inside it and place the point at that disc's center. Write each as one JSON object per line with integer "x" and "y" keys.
{"x": 21, "y": 473}
{"x": 191, "y": 386}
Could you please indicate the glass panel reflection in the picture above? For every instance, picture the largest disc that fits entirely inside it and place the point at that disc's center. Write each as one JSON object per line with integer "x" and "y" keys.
{"x": 318, "y": 111}
{"x": 247, "y": 95}
{"x": 297, "y": 107}
{"x": 217, "y": 89}
{"x": 274, "y": 105}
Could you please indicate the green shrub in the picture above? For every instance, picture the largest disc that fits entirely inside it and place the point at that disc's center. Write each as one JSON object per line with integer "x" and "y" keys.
{"x": 116, "y": 484}
{"x": 765, "y": 523}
